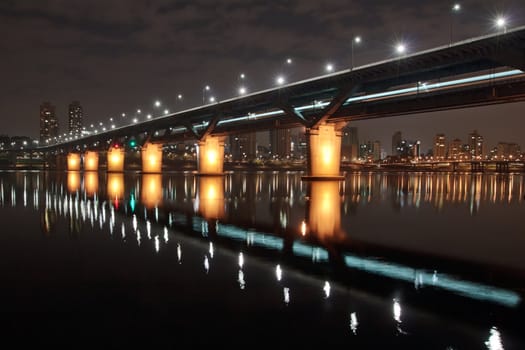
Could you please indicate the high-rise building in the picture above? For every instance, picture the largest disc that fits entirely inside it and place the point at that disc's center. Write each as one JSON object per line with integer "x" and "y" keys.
{"x": 396, "y": 141}
{"x": 75, "y": 118}
{"x": 349, "y": 144}
{"x": 475, "y": 144}
{"x": 507, "y": 150}
{"x": 243, "y": 146}
{"x": 439, "y": 146}
{"x": 280, "y": 143}
{"x": 48, "y": 122}
{"x": 455, "y": 149}
{"x": 376, "y": 150}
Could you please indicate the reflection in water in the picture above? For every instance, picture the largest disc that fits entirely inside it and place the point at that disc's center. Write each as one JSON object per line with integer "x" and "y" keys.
{"x": 115, "y": 188}
{"x": 91, "y": 183}
{"x": 286, "y": 292}
{"x": 151, "y": 191}
{"x": 326, "y": 289}
{"x": 353, "y": 322}
{"x": 325, "y": 209}
{"x": 73, "y": 181}
{"x": 494, "y": 341}
{"x": 324, "y": 219}
{"x": 278, "y": 272}
{"x": 210, "y": 197}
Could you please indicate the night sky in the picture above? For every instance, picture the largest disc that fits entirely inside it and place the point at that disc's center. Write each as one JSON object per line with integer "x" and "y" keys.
{"x": 117, "y": 56}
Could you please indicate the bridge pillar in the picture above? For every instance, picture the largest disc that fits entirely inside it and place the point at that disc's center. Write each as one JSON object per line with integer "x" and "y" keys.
{"x": 91, "y": 161}
{"x": 115, "y": 159}
{"x": 151, "y": 158}
{"x": 210, "y": 155}
{"x": 324, "y": 152}
{"x": 73, "y": 161}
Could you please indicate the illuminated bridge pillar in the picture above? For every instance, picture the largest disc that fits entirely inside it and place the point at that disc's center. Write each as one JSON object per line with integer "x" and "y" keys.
{"x": 73, "y": 161}
{"x": 91, "y": 161}
{"x": 210, "y": 156}
{"x": 324, "y": 152}
{"x": 115, "y": 159}
{"x": 151, "y": 157}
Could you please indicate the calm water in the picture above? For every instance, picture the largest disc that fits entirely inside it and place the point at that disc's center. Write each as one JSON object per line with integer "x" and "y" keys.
{"x": 379, "y": 260}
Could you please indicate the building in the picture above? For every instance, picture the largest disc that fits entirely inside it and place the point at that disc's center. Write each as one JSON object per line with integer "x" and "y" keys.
{"x": 440, "y": 151}
{"x": 506, "y": 150}
{"x": 376, "y": 150}
{"x": 455, "y": 149}
{"x": 75, "y": 118}
{"x": 243, "y": 146}
{"x": 281, "y": 143}
{"x": 48, "y": 122}
{"x": 396, "y": 142}
{"x": 349, "y": 144}
{"x": 475, "y": 144}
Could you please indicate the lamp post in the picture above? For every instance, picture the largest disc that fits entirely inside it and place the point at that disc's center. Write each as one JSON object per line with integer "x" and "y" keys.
{"x": 204, "y": 89}
{"x": 501, "y": 23}
{"x": 455, "y": 9}
{"x": 355, "y": 40}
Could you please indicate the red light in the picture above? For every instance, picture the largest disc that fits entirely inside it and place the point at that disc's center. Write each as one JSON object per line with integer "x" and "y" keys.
{"x": 116, "y": 145}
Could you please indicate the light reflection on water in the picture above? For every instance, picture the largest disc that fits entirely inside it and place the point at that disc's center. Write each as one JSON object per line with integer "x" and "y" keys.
{"x": 272, "y": 211}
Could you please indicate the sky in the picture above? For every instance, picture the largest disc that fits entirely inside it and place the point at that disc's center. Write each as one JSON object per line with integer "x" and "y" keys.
{"x": 117, "y": 56}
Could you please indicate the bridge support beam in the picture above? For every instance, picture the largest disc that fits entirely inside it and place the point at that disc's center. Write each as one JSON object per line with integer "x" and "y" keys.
{"x": 210, "y": 155}
{"x": 73, "y": 161}
{"x": 91, "y": 161}
{"x": 115, "y": 159}
{"x": 151, "y": 157}
{"x": 324, "y": 152}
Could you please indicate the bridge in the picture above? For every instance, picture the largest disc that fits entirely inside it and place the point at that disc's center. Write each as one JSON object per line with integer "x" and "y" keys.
{"x": 475, "y": 72}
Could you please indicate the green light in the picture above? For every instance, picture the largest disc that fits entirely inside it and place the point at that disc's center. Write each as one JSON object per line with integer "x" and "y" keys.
{"x": 132, "y": 143}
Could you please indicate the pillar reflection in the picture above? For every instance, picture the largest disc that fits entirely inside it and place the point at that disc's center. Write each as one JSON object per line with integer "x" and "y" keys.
{"x": 151, "y": 190}
{"x": 115, "y": 188}
{"x": 73, "y": 181}
{"x": 91, "y": 183}
{"x": 324, "y": 214}
{"x": 211, "y": 197}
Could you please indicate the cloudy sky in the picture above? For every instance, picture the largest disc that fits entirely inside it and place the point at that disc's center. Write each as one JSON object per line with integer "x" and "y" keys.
{"x": 117, "y": 56}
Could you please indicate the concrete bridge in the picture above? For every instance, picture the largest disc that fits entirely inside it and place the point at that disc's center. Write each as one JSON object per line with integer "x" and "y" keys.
{"x": 474, "y": 72}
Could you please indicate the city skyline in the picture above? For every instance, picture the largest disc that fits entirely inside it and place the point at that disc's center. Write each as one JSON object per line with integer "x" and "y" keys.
{"x": 117, "y": 58}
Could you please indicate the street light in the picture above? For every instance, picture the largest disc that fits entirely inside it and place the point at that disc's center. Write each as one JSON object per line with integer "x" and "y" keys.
{"x": 355, "y": 40}
{"x": 212, "y": 99}
{"x": 455, "y": 9}
{"x": 242, "y": 90}
{"x": 157, "y": 103}
{"x": 288, "y": 60}
{"x": 401, "y": 48}
{"x": 501, "y": 22}
{"x": 279, "y": 80}
{"x": 329, "y": 67}
{"x": 179, "y": 96}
